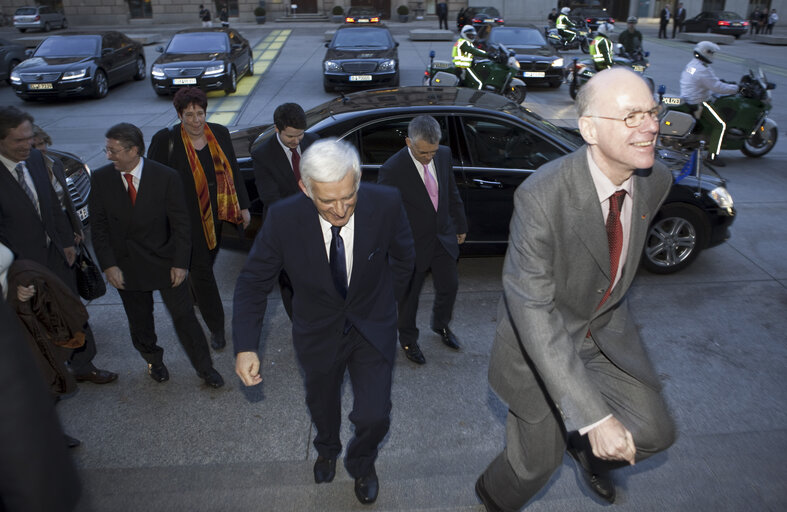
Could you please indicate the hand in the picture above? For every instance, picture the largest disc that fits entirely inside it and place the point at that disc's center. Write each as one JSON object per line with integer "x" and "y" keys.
{"x": 71, "y": 255}
{"x": 247, "y": 366}
{"x": 610, "y": 440}
{"x": 115, "y": 277}
{"x": 246, "y": 217}
{"x": 78, "y": 237}
{"x": 461, "y": 238}
{"x": 177, "y": 275}
{"x": 25, "y": 293}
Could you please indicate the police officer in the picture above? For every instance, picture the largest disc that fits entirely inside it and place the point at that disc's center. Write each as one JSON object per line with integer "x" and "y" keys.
{"x": 631, "y": 38}
{"x": 565, "y": 27}
{"x": 601, "y": 49}
{"x": 463, "y": 53}
{"x": 698, "y": 83}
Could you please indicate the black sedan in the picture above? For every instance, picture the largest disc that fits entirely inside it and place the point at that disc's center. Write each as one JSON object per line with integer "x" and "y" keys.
{"x": 496, "y": 144}
{"x": 361, "y": 56}
{"x": 362, "y": 15}
{"x": 208, "y": 58}
{"x": 718, "y": 22}
{"x": 593, "y": 17}
{"x": 479, "y": 17}
{"x": 539, "y": 62}
{"x": 79, "y": 64}
{"x": 11, "y": 54}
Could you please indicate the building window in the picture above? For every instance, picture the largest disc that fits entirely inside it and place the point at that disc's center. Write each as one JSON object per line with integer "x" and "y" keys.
{"x": 231, "y": 5}
{"x": 140, "y": 8}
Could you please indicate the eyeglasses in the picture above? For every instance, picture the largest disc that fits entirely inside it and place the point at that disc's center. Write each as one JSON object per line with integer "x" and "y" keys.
{"x": 114, "y": 151}
{"x": 635, "y": 119}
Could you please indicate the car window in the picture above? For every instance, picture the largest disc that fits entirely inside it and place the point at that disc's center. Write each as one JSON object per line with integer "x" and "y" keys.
{"x": 58, "y": 46}
{"x": 496, "y": 143}
{"x": 25, "y": 11}
{"x": 517, "y": 37}
{"x": 380, "y": 140}
{"x": 199, "y": 42}
{"x": 361, "y": 37}
{"x": 111, "y": 41}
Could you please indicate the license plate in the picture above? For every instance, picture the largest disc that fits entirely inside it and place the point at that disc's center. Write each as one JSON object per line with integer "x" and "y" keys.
{"x": 736, "y": 24}
{"x": 38, "y": 87}
{"x": 184, "y": 81}
{"x": 671, "y": 100}
{"x": 535, "y": 74}
{"x": 360, "y": 78}
{"x": 638, "y": 69}
{"x": 82, "y": 213}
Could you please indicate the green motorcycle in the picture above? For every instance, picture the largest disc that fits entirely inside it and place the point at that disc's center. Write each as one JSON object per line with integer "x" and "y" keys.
{"x": 580, "y": 71}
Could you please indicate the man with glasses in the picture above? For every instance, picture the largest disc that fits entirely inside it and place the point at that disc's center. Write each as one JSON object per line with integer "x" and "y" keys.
{"x": 141, "y": 235}
{"x": 567, "y": 358}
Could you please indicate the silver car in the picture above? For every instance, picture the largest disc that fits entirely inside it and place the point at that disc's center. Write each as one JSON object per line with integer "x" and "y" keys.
{"x": 41, "y": 17}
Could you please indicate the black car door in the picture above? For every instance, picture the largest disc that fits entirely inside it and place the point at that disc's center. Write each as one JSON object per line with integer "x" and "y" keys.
{"x": 114, "y": 60}
{"x": 239, "y": 54}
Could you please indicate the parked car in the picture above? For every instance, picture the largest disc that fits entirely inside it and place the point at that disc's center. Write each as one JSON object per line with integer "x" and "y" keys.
{"x": 41, "y": 17}
{"x": 496, "y": 144}
{"x": 593, "y": 17}
{"x": 79, "y": 64}
{"x": 208, "y": 58}
{"x": 362, "y": 15}
{"x": 478, "y": 17}
{"x": 11, "y": 54}
{"x": 718, "y": 22}
{"x": 78, "y": 180}
{"x": 539, "y": 62}
{"x": 361, "y": 56}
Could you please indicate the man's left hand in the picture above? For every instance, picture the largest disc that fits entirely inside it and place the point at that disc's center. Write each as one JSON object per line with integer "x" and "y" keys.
{"x": 177, "y": 275}
{"x": 25, "y": 293}
{"x": 71, "y": 255}
{"x": 610, "y": 440}
{"x": 246, "y": 218}
{"x": 461, "y": 238}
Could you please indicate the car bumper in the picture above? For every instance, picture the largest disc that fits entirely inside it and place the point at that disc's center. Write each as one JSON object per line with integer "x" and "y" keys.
{"x": 537, "y": 73}
{"x": 211, "y": 83}
{"x": 733, "y": 31}
{"x": 720, "y": 222}
{"x": 58, "y": 89}
{"x": 32, "y": 24}
{"x": 360, "y": 80}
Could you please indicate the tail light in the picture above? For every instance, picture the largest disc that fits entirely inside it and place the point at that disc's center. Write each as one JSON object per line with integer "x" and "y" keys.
{"x": 477, "y": 20}
{"x": 38, "y": 18}
{"x": 723, "y": 23}
{"x": 349, "y": 20}
{"x": 375, "y": 20}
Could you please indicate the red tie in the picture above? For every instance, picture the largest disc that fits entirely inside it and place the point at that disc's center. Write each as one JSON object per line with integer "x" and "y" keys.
{"x": 132, "y": 192}
{"x": 296, "y": 164}
{"x": 615, "y": 239}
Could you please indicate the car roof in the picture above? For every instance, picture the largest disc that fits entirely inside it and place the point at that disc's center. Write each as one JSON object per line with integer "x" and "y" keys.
{"x": 87, "y": 33}
{"x": 225, "y": 30}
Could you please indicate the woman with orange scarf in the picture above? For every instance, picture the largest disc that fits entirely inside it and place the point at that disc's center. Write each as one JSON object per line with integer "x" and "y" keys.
{"x": 203, "y": 155}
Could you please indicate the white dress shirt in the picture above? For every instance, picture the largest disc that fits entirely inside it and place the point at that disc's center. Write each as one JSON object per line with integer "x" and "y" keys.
{"x": 136, "y": 172}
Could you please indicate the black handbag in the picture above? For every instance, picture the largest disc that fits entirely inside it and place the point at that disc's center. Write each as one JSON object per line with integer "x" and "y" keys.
{"x": 90, "y": 282}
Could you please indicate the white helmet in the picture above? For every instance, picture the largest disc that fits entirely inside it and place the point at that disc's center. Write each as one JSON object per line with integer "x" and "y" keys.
{"x": 606, "y": 29}
{"x": 565, "y": 10}
{"x": 632, "y": 20}
{"x": 468, "y": 32}
{"x": 705, "y": 51}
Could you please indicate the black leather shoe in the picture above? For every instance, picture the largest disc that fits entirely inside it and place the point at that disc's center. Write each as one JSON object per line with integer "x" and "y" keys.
{"x": 483, "y": 495}
{"x": 72, "y": 442}
{"x": 448, "y": 338}
{"x": 158, "y": 372}
{"x": 324, "y": 470}
{"x": 97, "y": 376}
{"x": 218, "y": 341}
{"x": 414, "y": 354}
{"x": 367, "y": 487}
{"x": 599, "y": 482}
{"x": 212, "y": 378}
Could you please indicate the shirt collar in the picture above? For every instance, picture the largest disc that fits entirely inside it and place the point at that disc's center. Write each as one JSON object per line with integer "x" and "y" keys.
{"x": 604, "y": 186}
{"x": 137, "y": 171}
{"x": 347, "y": 229}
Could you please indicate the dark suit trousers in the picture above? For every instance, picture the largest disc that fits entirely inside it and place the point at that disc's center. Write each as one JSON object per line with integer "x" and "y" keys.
{"x": 370, "y": 376}
{"x": 535, "y": 450}
{"x": 139, "y": 310}
{"x": 446, "y": 284}
{"x": 203, "y": 285}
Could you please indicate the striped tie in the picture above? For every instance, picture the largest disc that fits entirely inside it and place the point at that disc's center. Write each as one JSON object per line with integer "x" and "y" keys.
{"x": 20, "y": 173}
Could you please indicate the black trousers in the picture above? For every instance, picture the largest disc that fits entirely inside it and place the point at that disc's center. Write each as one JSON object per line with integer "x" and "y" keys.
{"x": 203, "y": 283}
{"x": 442, "y": 19}
{"x": 663, "y": 29}
{"x": 370, "y": 376}
{"x": 446, "y": 284}
{"x": 139, "y": 310}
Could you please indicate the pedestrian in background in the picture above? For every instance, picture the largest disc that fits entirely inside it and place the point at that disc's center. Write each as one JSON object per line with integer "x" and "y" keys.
{"x": 552, "y": 17}
{"x": 772, "y": 19}
{"x": 753, "y": 19}
{"x": 224, "y": 17}
{"x": 204, "y": 16}
{"x": 663, "y": 22}
{"x": 677, "y": 22}
{"x": 442, "y": 14}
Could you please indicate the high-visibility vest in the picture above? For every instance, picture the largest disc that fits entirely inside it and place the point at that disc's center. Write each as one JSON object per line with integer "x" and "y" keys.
{"x": 563, "y": 22}
{"x": 601, "y": 50}
{"x": 462, "y": 59}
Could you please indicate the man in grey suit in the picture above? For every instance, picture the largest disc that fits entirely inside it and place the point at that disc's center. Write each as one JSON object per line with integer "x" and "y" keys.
{"x": 567, "y": 358}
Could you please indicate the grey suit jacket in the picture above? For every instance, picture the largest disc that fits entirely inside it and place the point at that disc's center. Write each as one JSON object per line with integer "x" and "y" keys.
{"x": 555, "y": 273}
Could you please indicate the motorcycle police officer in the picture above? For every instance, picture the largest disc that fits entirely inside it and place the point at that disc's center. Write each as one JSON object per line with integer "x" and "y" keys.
{"x": 565, "y": 27}
{"x": 601, "y": 49}
{"x": 463, "y": 53}
{"x": 631, "y": 38}
{"x": 698, "y": 83}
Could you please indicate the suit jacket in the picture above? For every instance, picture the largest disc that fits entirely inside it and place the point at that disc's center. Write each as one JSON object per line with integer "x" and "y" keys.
{"x": 681, "y": 16}
{"x": 291, "y": 239}
{"x": 273, "y": 171}
{"x": 555, "y": 273}
{"x": 664, "y": 17}
{"x": 21, "y": 227}
{"x": 159, "y": 151}
{"x": 147, "y": 239}
{"x": 429, "y": 227}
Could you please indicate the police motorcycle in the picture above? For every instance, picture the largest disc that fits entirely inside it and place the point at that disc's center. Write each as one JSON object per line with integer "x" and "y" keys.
{"x": 581, "y": 42}
{"x": 497, "y": 73}
{"x": 745, "y": 115}
{"x": 580, "y": 71}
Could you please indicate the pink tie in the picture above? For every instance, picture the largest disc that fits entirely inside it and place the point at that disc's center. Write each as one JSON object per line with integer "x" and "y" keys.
{"x": 431, "y": 185}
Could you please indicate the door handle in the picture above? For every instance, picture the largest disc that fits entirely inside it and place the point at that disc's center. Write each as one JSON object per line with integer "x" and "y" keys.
{"x": 487, "y": 183}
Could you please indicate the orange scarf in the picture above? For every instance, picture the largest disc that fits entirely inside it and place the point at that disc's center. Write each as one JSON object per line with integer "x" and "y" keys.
{"x": 226, "y": 196}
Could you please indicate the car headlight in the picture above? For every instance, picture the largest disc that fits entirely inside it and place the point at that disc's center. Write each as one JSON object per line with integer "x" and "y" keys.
{"x": 15, "y": 79}
{"x": 215, "y": 69}
{"x": 331, "y": 66}
{"x": 157, "y": 71}
{"x": 721, "y": 197}
{"x": 557, "y": 63}
{"x": 387, "y": 65}
{"x": 75, "y": 74}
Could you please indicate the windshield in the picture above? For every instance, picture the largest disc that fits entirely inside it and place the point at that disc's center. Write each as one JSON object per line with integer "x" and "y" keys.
{"x": 729, "y": 15}
{"x": 71, "y": 46}
{"x": 517, "y": 37}
{"x": 489, "y": 11}
{"x": 24, "y": 11}
{"x": 199, "y": 42}
{"x": 361, "y": 38}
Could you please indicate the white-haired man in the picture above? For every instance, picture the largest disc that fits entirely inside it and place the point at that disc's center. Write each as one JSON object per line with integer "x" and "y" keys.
{"x": 348, "y": 250}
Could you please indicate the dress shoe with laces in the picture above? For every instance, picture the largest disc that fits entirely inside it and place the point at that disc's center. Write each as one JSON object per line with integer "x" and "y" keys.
{"x": 97, "y": 376}
{"x": 600, "y": 482}
{"x": 448, "y": 337}
{"x": 158, "y": 372}
{"x": 367, "y": 487}
{"x": 218, "y": 341}
{"x": 414, "y": 354}
{"x": 483, "y": 495}
{"x": 324, "y": 470}
{"x": 212, "y": 378}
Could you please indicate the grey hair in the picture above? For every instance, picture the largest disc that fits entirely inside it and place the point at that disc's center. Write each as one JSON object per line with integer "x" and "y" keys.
{"x": 583, "y": 100}
{"x": 425, "y": 128}
{"x": 329, "y": 161}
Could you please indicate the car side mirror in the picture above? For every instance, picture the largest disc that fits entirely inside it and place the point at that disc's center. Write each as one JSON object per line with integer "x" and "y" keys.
{"x": 396, "y": 44}
{"x": 160, "y": 49}
{"x": 29, "y": 52}
{"x": 236, "y": 46}
{"x": 105, "y": 51}
{"x": 327, "y": 45}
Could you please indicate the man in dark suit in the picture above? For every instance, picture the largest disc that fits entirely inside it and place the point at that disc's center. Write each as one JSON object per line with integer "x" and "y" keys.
{"x": 680, "y": 17}
{"x": 33, "y": 224}
{"x": 141, "y": 236}
{"x": 567, "y": 357}
{"x": 423, "y": 173}
{"x": 663, "y": 22}
{"x": 442, "y": 14}
{"x": 348, "y": 250}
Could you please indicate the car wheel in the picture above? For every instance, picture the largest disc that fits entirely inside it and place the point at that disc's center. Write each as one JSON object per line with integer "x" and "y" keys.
{"x": 674, "y": 240}
{"x": 141, "y": 69}
{"x": 760, "y": 143}
{"x": 516, "y": 93}
{"x": 250, "y": 71}
{"x": 46, "y": 28}
{"x": 100, "y": 84}
{"x": 232, "y": 83}
{"x": 64, "y": 24}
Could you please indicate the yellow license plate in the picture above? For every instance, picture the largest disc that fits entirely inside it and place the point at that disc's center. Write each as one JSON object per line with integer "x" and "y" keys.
{"x": 39, "y": 87}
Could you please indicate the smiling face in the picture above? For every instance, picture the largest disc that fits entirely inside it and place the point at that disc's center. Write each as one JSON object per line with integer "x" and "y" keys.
{"x": 17, "y": 142}
{"x": 193, "y": 119}
{"x": 335, "y": 201}
{"x": 125, "y": 158}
